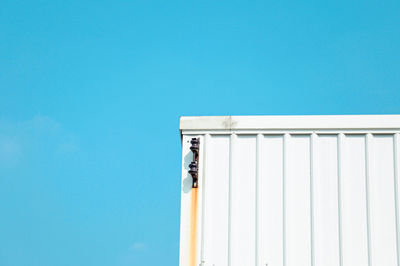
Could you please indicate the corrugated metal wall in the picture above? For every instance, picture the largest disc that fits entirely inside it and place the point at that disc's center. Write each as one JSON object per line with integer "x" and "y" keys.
{"x": 295, "y": 200}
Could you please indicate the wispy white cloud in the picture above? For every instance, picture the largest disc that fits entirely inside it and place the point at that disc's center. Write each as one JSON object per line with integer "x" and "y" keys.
{"x": 43, "y": 123}
{"x": 67, "y": 147}
{"x": 138, "y": 246}
{"x": 133, "y": 254}
{"x": 21, "y": 139}
{"x": 10, "y": 150}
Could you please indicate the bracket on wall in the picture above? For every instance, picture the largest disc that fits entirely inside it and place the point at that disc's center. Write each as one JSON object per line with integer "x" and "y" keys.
{"x": 194, "y": 165}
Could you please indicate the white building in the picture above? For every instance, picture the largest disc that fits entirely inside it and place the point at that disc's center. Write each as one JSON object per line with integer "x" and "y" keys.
{"x": 291, "y": 191}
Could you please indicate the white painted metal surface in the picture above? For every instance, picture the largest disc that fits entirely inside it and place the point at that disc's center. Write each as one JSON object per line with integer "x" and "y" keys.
{"x": 292, "y": 191}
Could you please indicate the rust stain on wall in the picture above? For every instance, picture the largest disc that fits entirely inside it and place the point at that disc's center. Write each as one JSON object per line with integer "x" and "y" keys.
{"x": 193, "y": 228}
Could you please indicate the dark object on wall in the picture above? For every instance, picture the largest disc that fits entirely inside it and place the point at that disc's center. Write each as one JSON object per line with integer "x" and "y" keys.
{"x": 194, "y": 165}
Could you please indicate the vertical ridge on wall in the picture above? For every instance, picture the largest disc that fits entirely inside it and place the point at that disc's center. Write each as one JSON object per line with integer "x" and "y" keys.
{"x": 203, "y": 195}
{"x": 396, "y": 190}
{"x": 257, "y": 199}
{"x": 231, "y": 150}
{"x": 367, "y": 204}
{"x": 284, "y": 177}
{"x": 339, "y": 194}
{"x": 313, "y": 146}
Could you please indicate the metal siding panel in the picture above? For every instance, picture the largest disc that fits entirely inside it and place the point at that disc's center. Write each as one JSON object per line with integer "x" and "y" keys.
{"x": 243, "y": 201}
{"x": 298, "y": 222}
{"x": 270, "y": 201}
{"x": 258, "y": 196}
{"x": 286, "y": 137}
{"x": 199, "y": 226}
{"x": 325, "y": 202}
{"x": 396, "y": 160}
{"x": 382, "y": 202}
{"x": 217, "y": 205}
{"x": 202, "y": 185}
{"x": 231, "y": 150}
{"x": 353, "y": 202}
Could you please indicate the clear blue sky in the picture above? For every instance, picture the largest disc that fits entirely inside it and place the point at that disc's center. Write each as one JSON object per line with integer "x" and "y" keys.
{"x": 91, "y": 93}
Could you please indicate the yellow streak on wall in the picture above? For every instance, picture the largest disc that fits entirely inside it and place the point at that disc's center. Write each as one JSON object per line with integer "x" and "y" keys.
{"x": 193, "y": 228}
